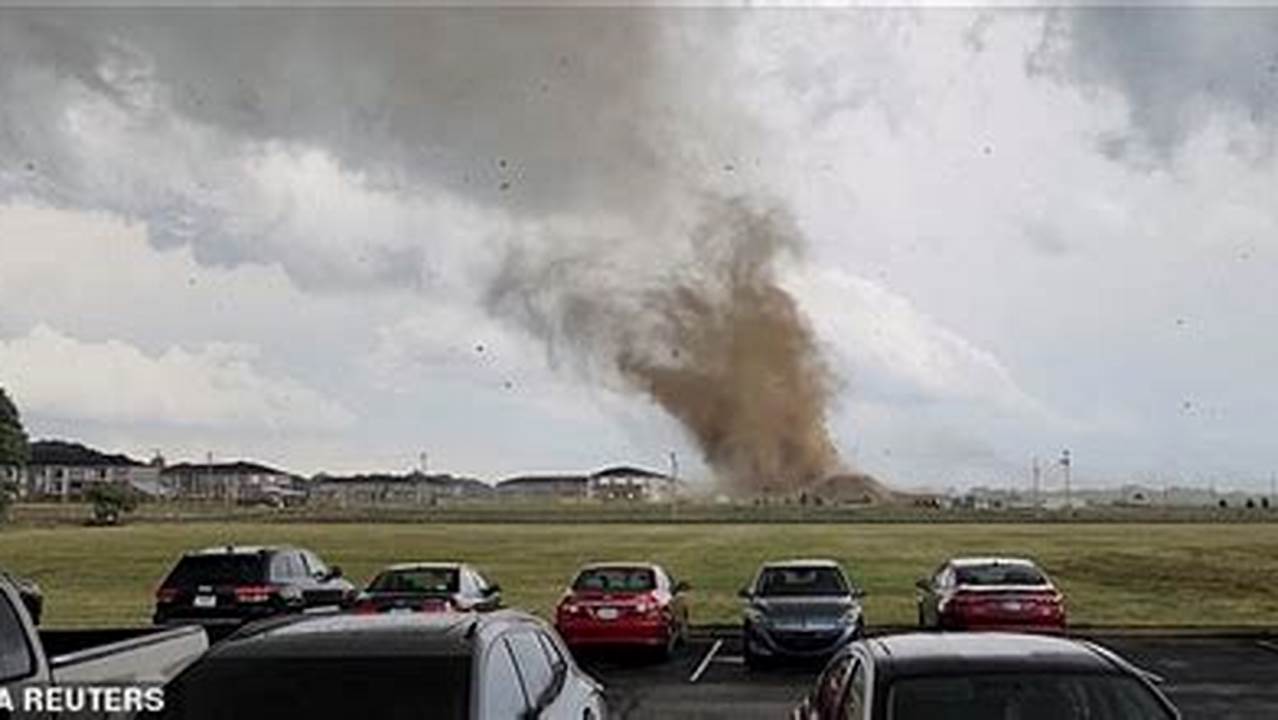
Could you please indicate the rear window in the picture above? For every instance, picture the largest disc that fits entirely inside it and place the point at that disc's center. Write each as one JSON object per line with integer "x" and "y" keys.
{"x": 388, "y": 688}
{"x": 799, "y": 581}
{"x": 432, "y": 580}
{"x": 218, "y": 570}
{"x": 616, "y": 580}
{"x": 1004, "y": 574}
{"x": 1038, "y": 696}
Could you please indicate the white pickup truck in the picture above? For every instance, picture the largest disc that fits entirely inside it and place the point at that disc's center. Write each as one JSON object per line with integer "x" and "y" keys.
{"x": 41, "y": 659}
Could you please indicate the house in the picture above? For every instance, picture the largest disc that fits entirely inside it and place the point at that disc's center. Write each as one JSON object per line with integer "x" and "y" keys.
{"x": 62, "y": 470}
{"x": 545, "y": 486}
{"x": 413, "y": 488}
{"x": 636, "y": 484}
{"x": 239, "y": 481}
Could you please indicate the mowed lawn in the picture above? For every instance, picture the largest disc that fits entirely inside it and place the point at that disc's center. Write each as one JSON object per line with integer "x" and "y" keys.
{"x": 1116, "y": 575}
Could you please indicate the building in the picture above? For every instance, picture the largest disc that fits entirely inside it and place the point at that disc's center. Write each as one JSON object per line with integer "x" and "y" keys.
{"x": 633, "y": 484}
{"x": 239, "y": 481}
{"x": 545, "y": 486}
{"x": 64, "y": 470}
{"x": 621, "y": 482}
{"x": 389, "y": 489}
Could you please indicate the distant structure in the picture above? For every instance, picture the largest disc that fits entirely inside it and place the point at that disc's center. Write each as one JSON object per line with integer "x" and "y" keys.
{"x": 414, "y": 488}
{"x": 545, "y": 486}
{"x": 61, "y": 470}
{"x": 239, "y": 481}
{"x": 618, "y": 483}
{"x": 852, "y": 489}
{"x": 635, "y": 484}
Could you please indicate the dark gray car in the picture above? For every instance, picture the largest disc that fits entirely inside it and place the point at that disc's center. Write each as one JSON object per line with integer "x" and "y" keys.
{"x": 800, "y": 609}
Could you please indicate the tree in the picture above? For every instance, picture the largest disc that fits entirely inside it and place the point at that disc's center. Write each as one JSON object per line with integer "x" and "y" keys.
{"x": 110, "y": 501}
{"x": 13, "y": 439}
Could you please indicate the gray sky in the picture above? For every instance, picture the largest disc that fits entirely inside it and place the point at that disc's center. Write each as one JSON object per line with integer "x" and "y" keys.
{"x": 269, "y": 234}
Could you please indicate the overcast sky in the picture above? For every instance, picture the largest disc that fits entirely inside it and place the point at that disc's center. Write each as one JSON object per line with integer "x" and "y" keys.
{"x": 269, "y": 234}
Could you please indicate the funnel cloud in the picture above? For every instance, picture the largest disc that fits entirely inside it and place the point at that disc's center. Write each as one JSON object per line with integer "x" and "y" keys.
{"x": 716, "y": 342}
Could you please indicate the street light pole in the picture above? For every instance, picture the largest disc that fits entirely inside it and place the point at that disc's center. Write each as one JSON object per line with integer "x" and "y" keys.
{"x": 1065, "y": 463}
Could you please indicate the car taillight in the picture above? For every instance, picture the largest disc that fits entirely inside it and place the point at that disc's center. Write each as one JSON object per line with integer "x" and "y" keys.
{"x": 166, "y": 595}
{"x": 365, "y": 607}
{"x": 250, "y": 594}
{"x": 568, "y": 607}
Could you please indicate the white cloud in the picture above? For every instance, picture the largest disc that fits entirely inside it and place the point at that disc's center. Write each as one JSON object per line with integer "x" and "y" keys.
{"x": 893, "y": 352}
{"x": 218, "y": 385}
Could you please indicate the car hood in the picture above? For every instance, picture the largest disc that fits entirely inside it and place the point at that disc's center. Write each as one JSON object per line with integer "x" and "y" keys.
{"x": 823, "y": 609}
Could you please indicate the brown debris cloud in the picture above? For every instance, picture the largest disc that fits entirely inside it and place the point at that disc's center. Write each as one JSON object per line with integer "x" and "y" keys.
{"x": 716, "y": 342}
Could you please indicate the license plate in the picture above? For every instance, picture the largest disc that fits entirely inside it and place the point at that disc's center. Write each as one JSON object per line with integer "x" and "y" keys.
{"x": 607, "y": 613}
{"x": 400, "y": 610}
{"x": 1012, "y": 606}
{"x": 205, "y": 601}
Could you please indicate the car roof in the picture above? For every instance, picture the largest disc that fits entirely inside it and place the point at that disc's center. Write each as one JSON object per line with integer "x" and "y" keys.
{"x": 346, "y": 635}
{"x": 964, "y": 653}
{"x": 617, "y": 565}
{"x": 240, "y": 549}
{"x": 404, "y": 566}
{"x": 980, "y": 561}
{"x": 801, "y": 563}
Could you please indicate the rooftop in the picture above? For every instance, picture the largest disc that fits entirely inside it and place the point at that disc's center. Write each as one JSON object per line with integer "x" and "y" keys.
{"x": 935, "y": 653}
{"x": 980, "y": 561}
{"x": 341, "y": 635}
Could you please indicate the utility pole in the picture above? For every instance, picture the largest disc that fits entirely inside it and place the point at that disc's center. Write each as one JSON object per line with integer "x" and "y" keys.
{"x": 674, "y": 484}
{"x": 1038, "y": 477}
{"x": 1065, "y": 464}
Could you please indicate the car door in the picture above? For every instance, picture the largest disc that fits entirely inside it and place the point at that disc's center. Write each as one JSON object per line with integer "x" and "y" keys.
{"x": 469, "y": 594}
{"x": 487, "y": 596}
{"x": 930, "y": 597}
{"x": 322, "y": 587}
{"x": 289, "y": 573}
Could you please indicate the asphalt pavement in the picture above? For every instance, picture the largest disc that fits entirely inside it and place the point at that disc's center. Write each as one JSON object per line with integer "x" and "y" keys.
{"x": 1209, "y": 678}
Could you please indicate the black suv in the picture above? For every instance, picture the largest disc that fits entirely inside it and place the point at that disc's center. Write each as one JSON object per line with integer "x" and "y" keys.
{"x": 236, "y": 584}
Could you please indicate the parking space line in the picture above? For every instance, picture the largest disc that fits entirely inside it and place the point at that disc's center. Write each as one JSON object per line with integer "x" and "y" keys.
{"x": 1267, "y": 645}
{"x": 705, "y": 661}
{"x": 729, "y": 660}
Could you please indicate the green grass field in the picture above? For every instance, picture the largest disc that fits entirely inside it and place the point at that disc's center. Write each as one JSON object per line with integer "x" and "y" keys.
{"x": 1113, "y": 574}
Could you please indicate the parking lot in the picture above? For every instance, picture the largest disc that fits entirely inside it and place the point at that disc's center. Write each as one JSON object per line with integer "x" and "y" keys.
{"x": 1216, "y": 678}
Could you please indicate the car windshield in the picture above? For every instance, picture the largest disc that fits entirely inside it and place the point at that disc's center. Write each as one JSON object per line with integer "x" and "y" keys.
{"x": 417, "y": 580}
{"x": 1024, "y": 697}
{"x": 391, "y": 688}
{"x": 798, "y": 581}
{"x": 1000, "y": 574}
{"x": 217, "y": 570}
{"x": 615, "y": 580}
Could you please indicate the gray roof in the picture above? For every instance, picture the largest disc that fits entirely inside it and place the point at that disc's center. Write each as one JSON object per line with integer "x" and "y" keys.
{"x": 932, "y": 653}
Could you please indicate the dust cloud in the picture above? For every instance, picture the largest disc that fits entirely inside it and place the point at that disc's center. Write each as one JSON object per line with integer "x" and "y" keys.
{"x": 714, "y": 340}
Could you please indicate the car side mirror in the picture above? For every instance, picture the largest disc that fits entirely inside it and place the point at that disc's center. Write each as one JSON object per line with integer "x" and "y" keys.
{"x": 492, "y": 590}
{"x": 681, "y": 587}
{"x": 860, "y": 593}
{"x": 334, "y": 572}
{"x": 923, "y": 584}
{"x": 745, "y": 594}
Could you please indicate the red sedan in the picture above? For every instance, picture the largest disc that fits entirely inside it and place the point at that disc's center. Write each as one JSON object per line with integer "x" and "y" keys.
{"x": 623, "y": 604}
{"x": 990, "y": 594}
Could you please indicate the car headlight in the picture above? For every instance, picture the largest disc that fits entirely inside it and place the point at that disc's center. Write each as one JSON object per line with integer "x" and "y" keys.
{"x": 851, "y": 616}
